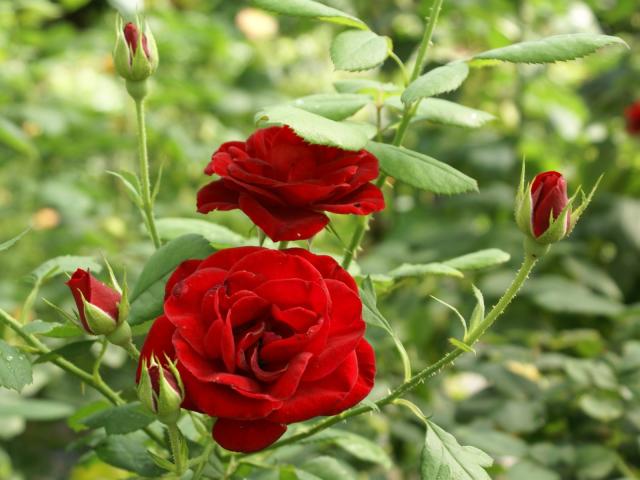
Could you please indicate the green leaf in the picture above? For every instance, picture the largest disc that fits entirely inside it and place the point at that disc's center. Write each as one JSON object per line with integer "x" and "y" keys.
{"x": 443, "y": 458}
{"x": 121, "y": 419}
{"x": 365, "y": 86}
{"x": 435, "y": 82}
{"x": 419, "y": 270}
{"x": 461, "y": 345}
{"x": 73, "y": 352}
{"x": 314, "y": 128}
{"x": 479, "y": 260}
{"x": 478, "y": 312}
{"x": 33, "y": 409}
{"x": 76, "y": 421}
{"x": 370, "y": 311}
{"x": 360, "y": 447}
{"x": 457, "y": 313}
{"x": 334, "y": 106}
{"x": 358, "y": 50}
{"x": 551, "y": 49}
{"x": 310, "y": 9}
{"x": 324, "y": 468}
{"x": 10, "y": 243}
{"x": 147, "y": 297}
{"x": 131, "y": 184}
{"x": 65, "y": 264}
{"x": 527, "y": 470}
{"x": 421, "y": 171}
{"x": 15, "y": 368}
{"x": 595, "y": 462}
{"x": 39, "y": 327}
{"x": 128, "y": 452}
{"x": 172, "y": 228}
{"x": 444, "y": 112}
{"x": 602, "y": 405}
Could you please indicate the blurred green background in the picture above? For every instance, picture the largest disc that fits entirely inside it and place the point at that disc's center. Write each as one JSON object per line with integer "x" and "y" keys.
{"x": 554, "y": 390}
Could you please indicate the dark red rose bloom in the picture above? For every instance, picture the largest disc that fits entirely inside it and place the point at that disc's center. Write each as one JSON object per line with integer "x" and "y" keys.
{"x": 283, "y": 184}
{"x": 632, "y": 113}
{"x": 83, "y": 284}
{"x": 131, "y": 35}
{"x": 548, "y": 194}
{"x": 263, "y": 338}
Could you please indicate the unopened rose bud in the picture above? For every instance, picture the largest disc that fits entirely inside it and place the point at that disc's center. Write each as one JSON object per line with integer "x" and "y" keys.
{"x": 160, "y": 390}
{"x": 135, "y": 54}
{"x": 544, "y": 210}
{"x": 98, "y": 304}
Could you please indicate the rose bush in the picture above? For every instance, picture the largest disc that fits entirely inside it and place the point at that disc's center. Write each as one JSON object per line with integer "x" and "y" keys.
{"x": 283, "y": 184}
{"x": 263, "y": 338}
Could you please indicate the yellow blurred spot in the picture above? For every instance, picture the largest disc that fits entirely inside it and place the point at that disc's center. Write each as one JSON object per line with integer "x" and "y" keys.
{"x": 464, "y": 385}
{"x": 107, "y": 64}
{"x": 256, "y": 24}
{"x": 115, "y": 226}
{"x": 45, "y": 219}
{"x": 32, "y": 129}
{"x": 97, "y": 470}
{"x": 526, "y": 370}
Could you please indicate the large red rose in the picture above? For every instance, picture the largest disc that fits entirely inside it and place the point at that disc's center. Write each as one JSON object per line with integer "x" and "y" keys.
{"x": 264, "y": 338}
{"x": 283, "y": 184}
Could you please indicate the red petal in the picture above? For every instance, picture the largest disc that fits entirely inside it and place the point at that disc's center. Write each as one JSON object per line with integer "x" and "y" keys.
{"x": 317, "y": 398}
{"x": 227, "y": 258}
{"x": 217, "y": 196}
{"x": 276, "y": 265}
{"x": 345, "y": 331}
{"x": 185, "y": 269}
{"x": 364, "y": 384}
{"x": 327, "y": 266}
{"x": 239, "y": 436}
{"x": 283, "y": 223}
{"x": 365, "y": 200}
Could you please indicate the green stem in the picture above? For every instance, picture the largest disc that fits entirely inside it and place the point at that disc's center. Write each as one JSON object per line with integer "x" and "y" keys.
{"x": 147, "y": 201}
{"x": 97, "y": 384}
{"x": 283, "y": 245}
{"x": 409, "y": 112}
{"x": 413, "y": 382}
{"x": 204, "y": 458}
{"x": 176, "y": 440}
{"x": 133, "y": 352}
{"x": 98, "y": 362}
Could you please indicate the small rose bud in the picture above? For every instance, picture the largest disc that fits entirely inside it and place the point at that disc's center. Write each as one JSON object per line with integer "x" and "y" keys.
{"x": 632, "y": 114}
{"x": 548, "y": 200}
{"x": 160, "y": 390}
{"x": 98, "y": 304}
{"x": 544, "y": 212}
{"x": 135, "y": 54}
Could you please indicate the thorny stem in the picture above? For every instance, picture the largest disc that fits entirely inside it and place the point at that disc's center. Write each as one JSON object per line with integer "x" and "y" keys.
{"x": 413, "y": 382}
{"x": 147, "y": 201}
{"x": 96, "y": 383}
{"x": 409, "y": 112}
{"x": 175, "y": 440}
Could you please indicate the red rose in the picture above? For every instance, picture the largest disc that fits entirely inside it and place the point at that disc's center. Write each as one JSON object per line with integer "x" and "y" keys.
{"x": 100, "y": 314}
{"x": 548, "y": 196}
{"x": 263, "y": 338}
{"x": 632, "y": 113}
{"x": 283, "y": 184}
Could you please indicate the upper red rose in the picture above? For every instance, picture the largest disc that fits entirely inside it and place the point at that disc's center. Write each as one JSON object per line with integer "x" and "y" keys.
{"x": 284, "y": 184}
{"x": 84, "y": 285}
{"x": 632, "y": 112}
{"x": 548, "y": 196}
{"x": 263, "y": 338}
{"x": 131, "y": 34}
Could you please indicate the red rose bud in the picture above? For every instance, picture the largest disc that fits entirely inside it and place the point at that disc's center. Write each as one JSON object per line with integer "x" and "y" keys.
{"x": 632, "y": 114}
{"x": 135, "y": 54}
{"x": 98, "y": 304}
{"x": 160, "y": 390}
{"x": 548, "y": 199}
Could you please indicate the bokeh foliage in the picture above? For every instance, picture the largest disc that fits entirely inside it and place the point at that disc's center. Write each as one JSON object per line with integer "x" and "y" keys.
{"x": 553, "y": 392}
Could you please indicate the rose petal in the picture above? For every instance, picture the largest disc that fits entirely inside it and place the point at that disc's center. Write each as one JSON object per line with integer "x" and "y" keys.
{"x": 185, "y": 269}
{"x": 363, "y": 201}
{"x": 364, "y": 384}
{"x": 217, "y": 196}
{"x": 327, "y": 266}
{"x": 283, "y": 223}
{"x": 316, "y": 398}
{"x": 241, "y": 436}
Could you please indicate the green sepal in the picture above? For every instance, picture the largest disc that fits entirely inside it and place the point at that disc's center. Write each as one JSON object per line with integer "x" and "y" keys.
{"x": 577, "y": 213}
{"x": 124, "y": 307}
{"x": 169, "y": 400}
{"x": 99, "y": 321}
{"x": 145, "y": 388}
{"x": 121, "y": 336}
{"x": 523, "y": 206}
